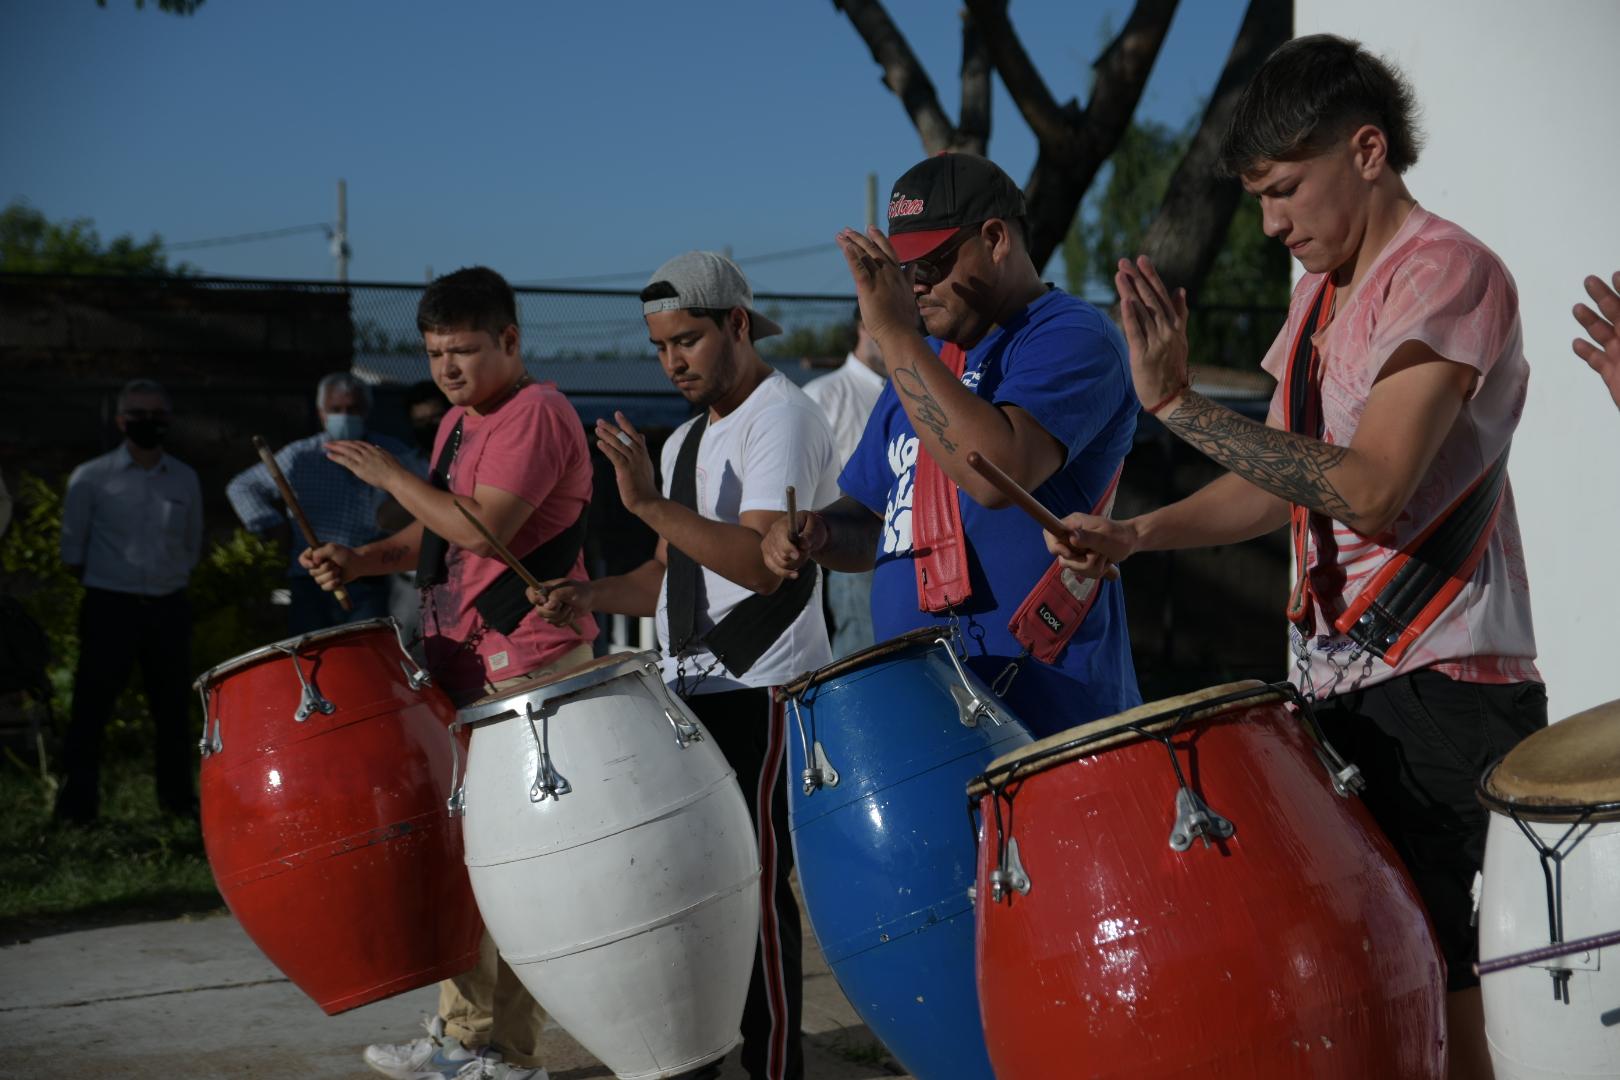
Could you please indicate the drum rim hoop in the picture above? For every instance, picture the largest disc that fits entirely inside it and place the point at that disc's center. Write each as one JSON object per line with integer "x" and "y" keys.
{"x": 1026, "y": 762}
{"x": 922, "y": 635}
{"x": 296, "y": 643}
{"x": 554, "y": 686}
{"x": 1551, "y": 810}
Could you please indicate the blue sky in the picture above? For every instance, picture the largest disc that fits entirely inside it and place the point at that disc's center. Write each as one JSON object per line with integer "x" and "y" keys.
{"x": 548, "y": 140}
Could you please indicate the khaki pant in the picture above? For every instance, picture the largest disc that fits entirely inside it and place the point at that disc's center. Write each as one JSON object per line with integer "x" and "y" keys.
{"x": 488, "y": 1006}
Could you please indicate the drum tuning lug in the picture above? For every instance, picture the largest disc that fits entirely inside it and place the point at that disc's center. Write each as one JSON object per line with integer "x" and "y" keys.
{"x": 819, "y": 773}
{"x": 548, "y": 782}
{"x": 1009, "y": 876}
{"x": 415, "y": 676}
{"x": 1348, "y": 781}
{"x": 686, "y": 732}
{"x": 969, "y": 705}
{"x": 312, "y": 703}
{"x": 1194, "y": 818}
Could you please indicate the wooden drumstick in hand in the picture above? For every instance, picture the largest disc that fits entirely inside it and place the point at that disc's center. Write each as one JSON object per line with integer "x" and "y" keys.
{"x": 793, "y": 515}
{"x": 1026, "y": 502}
{"x": 510, "y": 560}
{"x": 340, "y": 593}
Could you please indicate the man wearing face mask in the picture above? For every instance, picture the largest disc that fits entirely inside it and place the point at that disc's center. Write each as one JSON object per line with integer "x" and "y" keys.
{"x": 131, "y": 532}
{"x": 341, "y": 509}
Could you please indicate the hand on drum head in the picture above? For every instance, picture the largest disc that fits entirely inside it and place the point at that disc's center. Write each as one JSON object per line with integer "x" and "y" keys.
{"x": 1093, "y": 545}
{"x": 330, "y": 565}
{"x": 782, "y": 555}
{"x": 561, "y": 600}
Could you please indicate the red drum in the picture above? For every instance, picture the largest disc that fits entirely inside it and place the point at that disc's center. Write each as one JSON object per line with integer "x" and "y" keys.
{"x": 1179, "y": 890}
{"x": 324, "y": 776}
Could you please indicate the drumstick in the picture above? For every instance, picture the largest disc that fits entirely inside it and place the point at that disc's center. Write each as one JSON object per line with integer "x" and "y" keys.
{"x": 340, "y": 593}
{"x": 1026, "y": 502}
{"x": 505, "y": 556}
{"x": 793, "y": 516}
{"x": 511, "y": 560}
{"x": 1547, "y": 952}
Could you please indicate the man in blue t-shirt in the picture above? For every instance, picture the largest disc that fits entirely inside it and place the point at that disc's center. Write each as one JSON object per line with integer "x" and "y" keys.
{"x": 1044, "y": 392}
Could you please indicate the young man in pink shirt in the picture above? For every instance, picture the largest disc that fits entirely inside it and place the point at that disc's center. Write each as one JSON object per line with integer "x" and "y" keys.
{"x": 1401, "y": 377}
{"x": 513, "y": 452}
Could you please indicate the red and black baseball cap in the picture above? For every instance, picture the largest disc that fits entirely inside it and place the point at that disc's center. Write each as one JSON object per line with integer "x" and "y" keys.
{"x": 939, "y": 195}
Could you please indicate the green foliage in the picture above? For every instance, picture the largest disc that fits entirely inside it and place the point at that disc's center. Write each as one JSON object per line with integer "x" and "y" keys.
{"x": 135, "y": 860}
{"x": 229, "y": 616}
{"x": 31, "y": 244}
{"x": 227, "y": 591}
{"x": 1240, "y": 304}
{"x": 835, "y": 339}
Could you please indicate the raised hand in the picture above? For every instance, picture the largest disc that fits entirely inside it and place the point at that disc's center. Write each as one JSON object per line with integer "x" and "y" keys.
{"x": 626, "y": 449}
{"x": 883, "y": 289}
{"x": 1155, "y": 325}
{"x": 1604, "y": 327}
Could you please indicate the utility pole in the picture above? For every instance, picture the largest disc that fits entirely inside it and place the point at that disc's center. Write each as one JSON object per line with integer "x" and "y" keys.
{"x": 871, "y": 199}
{"x": 340, "y": 235}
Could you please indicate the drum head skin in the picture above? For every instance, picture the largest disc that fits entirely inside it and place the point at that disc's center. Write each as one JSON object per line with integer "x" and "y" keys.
{"x": 1569, "y": 769}
{"x": 287, "y": 646}
{"x": 923, "y": 635}
{"x": 553, "y": 685}
{"x": 1110, "y": 731}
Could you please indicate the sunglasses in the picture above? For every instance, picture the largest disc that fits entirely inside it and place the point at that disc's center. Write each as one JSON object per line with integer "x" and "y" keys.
{"x": 929, "y": 270}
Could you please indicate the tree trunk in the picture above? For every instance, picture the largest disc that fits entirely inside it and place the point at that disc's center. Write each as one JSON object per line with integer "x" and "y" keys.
{"x": 1190, "y": 228}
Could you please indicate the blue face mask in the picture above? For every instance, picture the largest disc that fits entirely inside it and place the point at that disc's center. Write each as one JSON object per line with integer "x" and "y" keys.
{"x": 345, "y": 425}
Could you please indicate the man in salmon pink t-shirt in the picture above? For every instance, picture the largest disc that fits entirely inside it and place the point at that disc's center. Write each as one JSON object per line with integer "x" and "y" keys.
{"x": 512, "y": 451}
{"x": 1401, "y": 378}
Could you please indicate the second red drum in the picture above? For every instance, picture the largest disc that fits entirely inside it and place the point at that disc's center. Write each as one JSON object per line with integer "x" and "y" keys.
{"x": 1180, "y": 890}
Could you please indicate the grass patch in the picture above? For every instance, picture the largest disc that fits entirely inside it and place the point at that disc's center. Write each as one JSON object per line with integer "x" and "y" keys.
{"x": 135, "y": 863}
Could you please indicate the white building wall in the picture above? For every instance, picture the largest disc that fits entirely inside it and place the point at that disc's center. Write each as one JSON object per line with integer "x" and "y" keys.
{"x": 1521, "y": 103}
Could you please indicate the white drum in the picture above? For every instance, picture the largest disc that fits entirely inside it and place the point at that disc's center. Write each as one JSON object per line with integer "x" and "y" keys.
{"x": 614, "y": 862}
{"x": 1560, "y": 1018}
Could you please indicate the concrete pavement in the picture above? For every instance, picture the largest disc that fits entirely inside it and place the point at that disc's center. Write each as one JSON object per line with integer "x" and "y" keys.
{"x": 194, "y": 998}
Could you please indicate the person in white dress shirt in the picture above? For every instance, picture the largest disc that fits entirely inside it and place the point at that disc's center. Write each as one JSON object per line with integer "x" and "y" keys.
{"x": 132, "y": 532}
{"x": 847, "y": 396}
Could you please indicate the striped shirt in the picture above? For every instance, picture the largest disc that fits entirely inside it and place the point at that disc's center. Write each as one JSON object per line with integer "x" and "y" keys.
{"x": 342, "y": 508}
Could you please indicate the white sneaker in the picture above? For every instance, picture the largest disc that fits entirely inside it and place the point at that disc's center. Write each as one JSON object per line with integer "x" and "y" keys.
{"x": 436, "y": 1056}
{"x": 491, "y": 1067}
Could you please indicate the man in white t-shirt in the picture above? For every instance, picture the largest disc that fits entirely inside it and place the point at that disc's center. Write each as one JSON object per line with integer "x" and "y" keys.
{"x": 732, "y": 630}
{"x": 847, "y": 396}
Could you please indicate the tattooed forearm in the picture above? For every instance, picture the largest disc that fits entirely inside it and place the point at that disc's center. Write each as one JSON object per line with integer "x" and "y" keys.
{"x": 391, "y": 556}
{"x": 926, "y": 411}
{"x": 1289, "y": 466}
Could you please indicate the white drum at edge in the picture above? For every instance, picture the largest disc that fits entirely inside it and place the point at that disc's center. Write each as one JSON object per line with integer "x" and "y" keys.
{"x": 626, "y": 898}
{"x": 1533, "y": 1034}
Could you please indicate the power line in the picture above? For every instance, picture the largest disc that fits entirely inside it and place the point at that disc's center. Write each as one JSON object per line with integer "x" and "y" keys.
{"x": 747, "y": 260}
{"x": 243, "y": 238}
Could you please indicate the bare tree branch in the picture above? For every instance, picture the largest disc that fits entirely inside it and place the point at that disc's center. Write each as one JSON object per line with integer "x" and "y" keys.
{"x": 1121, "y": 73}
{"x": 902, "y": 72}
{"x": 1049, "y": 121}
{"x": 1192, "y": 222}
{"x": 973, "y": 128}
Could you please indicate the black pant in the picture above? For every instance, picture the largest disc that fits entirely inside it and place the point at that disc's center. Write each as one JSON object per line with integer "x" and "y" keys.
{"x": 1422, "y": 742}
{"x": 751, "y": 730}
{"x": 115, "y": 631}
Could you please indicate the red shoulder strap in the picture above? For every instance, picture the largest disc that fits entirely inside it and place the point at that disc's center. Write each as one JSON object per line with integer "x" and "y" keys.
{"x": 938, "y": 546}
{"x": 1060, "y": 601}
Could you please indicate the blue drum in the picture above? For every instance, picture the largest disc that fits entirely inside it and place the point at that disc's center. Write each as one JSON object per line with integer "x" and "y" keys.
{"x": 885, "y": 743}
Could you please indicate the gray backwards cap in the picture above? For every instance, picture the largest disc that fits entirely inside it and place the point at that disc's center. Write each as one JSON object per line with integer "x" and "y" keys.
{"x": 707, "y": 279}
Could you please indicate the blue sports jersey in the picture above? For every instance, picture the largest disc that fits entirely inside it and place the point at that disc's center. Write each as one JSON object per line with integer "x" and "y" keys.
{"x": 1063, "y": 362}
